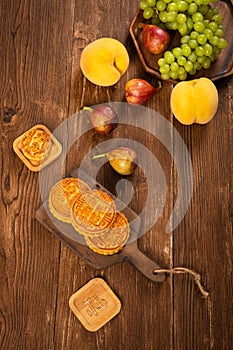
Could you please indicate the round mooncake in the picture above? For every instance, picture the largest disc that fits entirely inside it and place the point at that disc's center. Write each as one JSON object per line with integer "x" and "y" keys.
{"x": 62, "y": 196}
{"x": 92, "y": 212}
{"x": 113, "y": 239}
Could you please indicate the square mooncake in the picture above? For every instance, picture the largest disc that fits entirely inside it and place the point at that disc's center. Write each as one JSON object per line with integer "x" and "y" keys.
{"x": 95, "y": 304}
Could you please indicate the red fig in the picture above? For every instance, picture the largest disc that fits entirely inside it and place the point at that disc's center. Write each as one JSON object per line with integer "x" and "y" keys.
{"x": 104, "y": 119}
{"x": 154, "y": 38}
{"x": 139, "y": 91}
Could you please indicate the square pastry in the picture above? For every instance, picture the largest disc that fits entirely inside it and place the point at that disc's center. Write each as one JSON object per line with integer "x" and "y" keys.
{"x": 95, "y": 304}
{"x": 37, "y": 147}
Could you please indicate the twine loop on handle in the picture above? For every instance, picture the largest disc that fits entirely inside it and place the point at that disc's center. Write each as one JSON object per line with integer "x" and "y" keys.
{"x": 178, "y": 270}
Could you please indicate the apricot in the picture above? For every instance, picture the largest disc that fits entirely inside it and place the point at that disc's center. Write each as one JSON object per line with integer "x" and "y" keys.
{"x": 194, "y": 101}
{"x": 104, "y": 61}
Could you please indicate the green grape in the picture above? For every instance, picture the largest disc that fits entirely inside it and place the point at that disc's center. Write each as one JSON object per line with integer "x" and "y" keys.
{"x": 188, "y": 66}
{"x": 197, "y": 65}
{"x": 206, "y": 64}
{"x": 174, "y": 66}
{"x": 181, "y": 18}
{"x": 174, "y": 75}
{"x": 222, "y": 43}
{"x": 194, "y": 35}
{"x": 192, "y": 57}
{"x": 199, "y": 51}
{"x": 189, "y": 23}
{"x": 148, "y": 13}
{"x": 181, "y": 60}
{"x": 192, "y": 8}
{"x": 186, "y": 50}
{"x": 173, "y": 25}
{"x": 197, "y": 17}
{"x": 182, "y": 6}
{"x": 161, "y": 5}
{"x": 182, "y": 28}
{"x": 151, "y": 3}
{"x": 209, "y": 14}
{"x": 203, "y": 9}
{"x": 212, "y": 57}
{"x": 169, "y": 57}
{"x": 202, "y": 39}
{"x": 216, "y": 50}
{"x": 169, "y": 26}
{"x": 193, "y": 43}
{"x": 219, "y": 32}
{"x": 206, "y": 23}
{"x": 177, "y": 51}
{"x": 163, "y": 16}
{"x": 198, "y": 2}
{"x": 165, "y": 76}
{"x": 208, "y": 32}
{"x": 199, "y": 27}
{"x": 214, "y": 40}
{"x": 201, "y": 30}
{"x": 215, "y": 11}
{"x": 208, "y": 49}
{"x": 171, "y": 16}
{"x": 143, "y": 5}
{"x": 185, "y": 39}
{"x": 213, "y": 26}
{"x": 193, "y": 72}
{"x": 172, "y": 7}
{"x": 201, "y": 59}
{"x": 182, "y": 76}
{"x": 161, "y": 62}
{"x": 164, "y": 69}
{"x": 181, "y": 70}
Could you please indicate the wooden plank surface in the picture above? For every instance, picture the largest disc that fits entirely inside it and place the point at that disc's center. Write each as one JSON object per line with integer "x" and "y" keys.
{"x": 41, "y": 82}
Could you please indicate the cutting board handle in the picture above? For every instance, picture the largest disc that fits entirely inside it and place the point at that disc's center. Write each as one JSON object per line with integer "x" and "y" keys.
{"x": 142, "y": 263}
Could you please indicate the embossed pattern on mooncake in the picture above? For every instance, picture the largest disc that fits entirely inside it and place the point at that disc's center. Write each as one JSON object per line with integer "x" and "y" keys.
{"x": 36, "y": 145}
{"x": 93, "y": 212}
{"x": 113, "y": 239}
{"x": 72, "y": 187}
{"x": 58, "y": 204}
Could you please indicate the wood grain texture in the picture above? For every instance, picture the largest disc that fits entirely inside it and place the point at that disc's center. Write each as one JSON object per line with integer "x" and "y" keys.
{"x": 204, "y": 239}
{"x": 41, "y": 82}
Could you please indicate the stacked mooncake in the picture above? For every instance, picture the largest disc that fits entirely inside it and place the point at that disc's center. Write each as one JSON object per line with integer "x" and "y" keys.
{"x": 92, "y": 213}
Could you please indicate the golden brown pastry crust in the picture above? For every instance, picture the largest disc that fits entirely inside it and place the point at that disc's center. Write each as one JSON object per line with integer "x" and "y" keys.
{"x": 36, "y": 145}
{"x": 113, "y": 239}
{"x": 72, "y": 187}
{"x": 92, "y": 212}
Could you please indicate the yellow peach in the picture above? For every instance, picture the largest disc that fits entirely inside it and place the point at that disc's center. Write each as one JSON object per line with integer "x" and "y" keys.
{"x": 104, "y": 61}
{"x": 194, "y": 101}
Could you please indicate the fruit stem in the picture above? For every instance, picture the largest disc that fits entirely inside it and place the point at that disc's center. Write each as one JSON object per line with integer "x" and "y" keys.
{"x": 99, "y": 155}
{"x": 89, "y": 109}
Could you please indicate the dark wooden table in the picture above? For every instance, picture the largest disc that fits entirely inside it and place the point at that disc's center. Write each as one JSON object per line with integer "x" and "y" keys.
{"x": 41, "y": 83}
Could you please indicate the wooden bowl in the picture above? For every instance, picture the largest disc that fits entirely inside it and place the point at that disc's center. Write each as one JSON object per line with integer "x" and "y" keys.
{"x": 222, "y": 67}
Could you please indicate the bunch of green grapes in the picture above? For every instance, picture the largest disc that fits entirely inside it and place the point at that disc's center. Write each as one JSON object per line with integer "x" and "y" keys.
{"x": 201, "y": 30}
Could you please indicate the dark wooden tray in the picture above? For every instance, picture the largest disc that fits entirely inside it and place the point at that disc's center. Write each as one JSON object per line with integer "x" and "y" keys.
{"x": 130, "y": 253}
{"x": 221, "y": 68}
